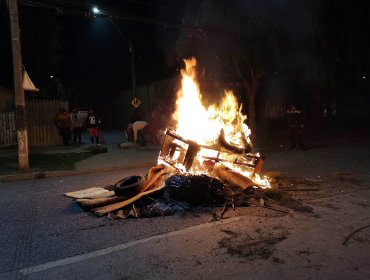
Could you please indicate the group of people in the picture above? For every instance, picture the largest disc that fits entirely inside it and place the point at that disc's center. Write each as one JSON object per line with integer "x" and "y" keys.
{"x": 71, "y": 124}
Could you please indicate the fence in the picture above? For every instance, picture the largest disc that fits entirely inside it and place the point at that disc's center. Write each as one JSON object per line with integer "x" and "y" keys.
{"x": 273, "y": 108}
{"x": 40, "y": 124}
{"x": 8, "y": 130}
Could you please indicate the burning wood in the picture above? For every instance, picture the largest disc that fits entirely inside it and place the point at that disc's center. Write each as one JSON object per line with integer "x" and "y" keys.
{"x": 223, "y": 143}
{"x": 228, "y": 176}
{"x": 186, "y": 156}
{"x": 207, "y": 137}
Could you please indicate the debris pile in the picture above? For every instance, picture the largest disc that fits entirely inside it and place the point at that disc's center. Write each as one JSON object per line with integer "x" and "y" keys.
{"x": 162, "y": 192}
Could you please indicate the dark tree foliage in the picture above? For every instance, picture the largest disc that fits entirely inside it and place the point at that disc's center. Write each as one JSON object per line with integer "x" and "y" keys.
{"x": 234, "y": 41}
{"x": 308, "y": 54}
{"x": 320, "y": 47}
{"x": 326, "y": 53}
{"x": 347, "y": 33}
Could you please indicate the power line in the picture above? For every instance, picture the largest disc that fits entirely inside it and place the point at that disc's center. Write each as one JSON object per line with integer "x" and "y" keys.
{"x": 71, "y": 7}
{"x": 152, "y": 5}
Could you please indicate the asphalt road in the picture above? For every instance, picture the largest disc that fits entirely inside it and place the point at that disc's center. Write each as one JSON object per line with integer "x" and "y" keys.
{"x": 45, "y": 235}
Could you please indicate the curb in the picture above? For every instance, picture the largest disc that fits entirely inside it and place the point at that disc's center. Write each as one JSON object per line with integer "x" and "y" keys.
{"x": 50, "y": 174}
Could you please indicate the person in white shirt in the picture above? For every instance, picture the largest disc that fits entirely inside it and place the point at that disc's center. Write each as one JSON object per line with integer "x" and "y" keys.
{"x": 132, "y": 132}
{"x": 76, "y": 126}
{"x": 136, "y": 128}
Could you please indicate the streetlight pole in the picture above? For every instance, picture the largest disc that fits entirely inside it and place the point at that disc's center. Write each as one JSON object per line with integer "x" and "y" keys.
{"x": 22, "y": 134}
{"x": 133, "y": 74}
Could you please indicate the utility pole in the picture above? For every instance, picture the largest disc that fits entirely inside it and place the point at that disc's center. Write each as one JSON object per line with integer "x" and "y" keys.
{"x": 22, "y": 134}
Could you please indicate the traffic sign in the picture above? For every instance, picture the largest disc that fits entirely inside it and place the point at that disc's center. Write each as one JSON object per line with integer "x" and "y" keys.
{"x": 136, "y": 102}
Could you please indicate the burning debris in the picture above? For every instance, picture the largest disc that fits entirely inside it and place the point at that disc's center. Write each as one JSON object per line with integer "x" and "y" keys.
{"x": 213, "y": 141}
{"x": 206, "y": 158}
{"x": 189, "y": 157}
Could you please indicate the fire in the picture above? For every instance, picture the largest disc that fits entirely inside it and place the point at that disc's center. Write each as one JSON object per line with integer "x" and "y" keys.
{"x": 206, "y": 126}
{"x": 203, "y": 125}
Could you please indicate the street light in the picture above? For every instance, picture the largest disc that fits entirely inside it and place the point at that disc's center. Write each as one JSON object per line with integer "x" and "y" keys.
{"x": 96, "y": 10}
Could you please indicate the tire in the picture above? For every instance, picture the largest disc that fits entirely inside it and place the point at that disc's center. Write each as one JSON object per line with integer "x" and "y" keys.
{"x": 129, "y": 186}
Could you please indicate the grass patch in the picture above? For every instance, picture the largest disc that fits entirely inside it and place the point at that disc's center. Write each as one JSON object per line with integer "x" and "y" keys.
{"x": 58, "y": 161}
{"x": 45, "y": 162}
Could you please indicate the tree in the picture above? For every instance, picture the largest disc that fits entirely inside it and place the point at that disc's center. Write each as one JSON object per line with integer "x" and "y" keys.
{"x": 236, "y": 41}
{"x": 346, "y": 33}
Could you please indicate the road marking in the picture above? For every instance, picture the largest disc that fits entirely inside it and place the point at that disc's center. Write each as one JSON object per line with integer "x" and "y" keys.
{"x": 124, "y": 246}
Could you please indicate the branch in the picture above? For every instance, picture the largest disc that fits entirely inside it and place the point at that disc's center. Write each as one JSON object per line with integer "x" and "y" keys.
{"x": 353, "y": 233}
{"x": 240, "y": 74}
{"x": 256, "y": 77}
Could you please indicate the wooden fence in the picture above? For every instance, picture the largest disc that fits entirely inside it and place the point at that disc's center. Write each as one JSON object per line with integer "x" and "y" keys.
{"x": 273, "y": 108}
{"x": 40, "y": 124}
{"x": 8, "y": 130}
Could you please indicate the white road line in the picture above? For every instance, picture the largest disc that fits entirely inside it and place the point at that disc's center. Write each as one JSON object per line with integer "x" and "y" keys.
{"x": 109, "y": 250}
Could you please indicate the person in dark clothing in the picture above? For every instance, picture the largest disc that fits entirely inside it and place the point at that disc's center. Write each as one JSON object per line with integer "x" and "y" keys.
{"x": 295, "y": 126}
{"x": 93, "y": 124}
{"x": 64, "y": 123}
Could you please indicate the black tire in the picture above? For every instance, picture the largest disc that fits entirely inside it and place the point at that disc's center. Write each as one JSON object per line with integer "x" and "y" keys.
{"x": 129, "y": 186}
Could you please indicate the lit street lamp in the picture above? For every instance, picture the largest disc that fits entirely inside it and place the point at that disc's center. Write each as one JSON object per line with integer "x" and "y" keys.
{"x": 96, "y": 10}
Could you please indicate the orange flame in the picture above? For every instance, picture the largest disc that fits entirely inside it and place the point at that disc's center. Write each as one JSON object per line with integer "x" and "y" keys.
{"x": 203, "y": 125}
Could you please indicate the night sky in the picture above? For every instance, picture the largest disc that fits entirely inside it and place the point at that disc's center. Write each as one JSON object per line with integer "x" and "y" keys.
{"x": 93, "y": 51}
{"x": 98, "y": 49}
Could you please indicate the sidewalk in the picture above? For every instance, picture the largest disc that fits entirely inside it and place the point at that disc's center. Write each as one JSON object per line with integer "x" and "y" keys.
{"x": 114, "y": 159}
{"x": 117, "y": 158}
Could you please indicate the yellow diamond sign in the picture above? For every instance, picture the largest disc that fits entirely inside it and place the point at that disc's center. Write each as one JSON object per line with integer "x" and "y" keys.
{"x": 136, "y": 102}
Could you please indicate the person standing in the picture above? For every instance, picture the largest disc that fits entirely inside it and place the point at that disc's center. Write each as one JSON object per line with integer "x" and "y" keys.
{"x": 64, "y": 123}
{"x": 93, "y": 124}
{"x": 295, "y": 126}
{"x": 76, "y": 119}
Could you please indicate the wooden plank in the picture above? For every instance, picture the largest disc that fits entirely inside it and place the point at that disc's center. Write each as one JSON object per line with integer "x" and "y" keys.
{"x": 93, "y": 192}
